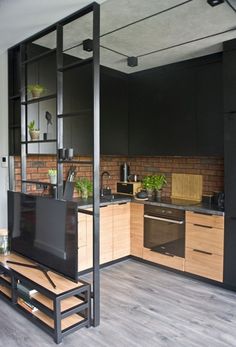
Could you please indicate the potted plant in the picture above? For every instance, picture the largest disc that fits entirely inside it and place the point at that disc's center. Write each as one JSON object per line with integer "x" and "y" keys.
{"x": 34, "y": 133}
{"x": 147, "y": 183}
{"x": 84, "y": 187}
{"x": 36, "y": 90}
{"x": 52, "y": 173}
{"x": 159, "y": 181}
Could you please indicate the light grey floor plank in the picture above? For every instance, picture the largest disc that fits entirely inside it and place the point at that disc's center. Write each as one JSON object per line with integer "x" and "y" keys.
{"x": 142, "y": 306}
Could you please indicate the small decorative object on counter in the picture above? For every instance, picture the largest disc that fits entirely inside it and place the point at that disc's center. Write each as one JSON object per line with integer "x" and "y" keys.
{"x": 34, "y": 133}
{"x": 52, "y": 173}
{"x": 84, "y": 187}
{"x": 69, "y": 153}
{"x": 3, "y": 241}
{"x": 36, "y": 90}
{"x": 62, "y": 153}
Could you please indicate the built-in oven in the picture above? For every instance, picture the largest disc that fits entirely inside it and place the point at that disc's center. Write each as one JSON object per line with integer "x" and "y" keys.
{"x": 164, "y": 230}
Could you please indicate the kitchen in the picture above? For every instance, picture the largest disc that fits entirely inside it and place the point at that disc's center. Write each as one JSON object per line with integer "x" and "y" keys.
{"x": 189, "y": 137}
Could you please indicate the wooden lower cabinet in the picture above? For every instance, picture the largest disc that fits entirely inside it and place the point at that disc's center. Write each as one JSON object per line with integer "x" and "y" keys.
{"x": 85, "y": 242}
{"x": 114, "y": 235}
{"x": 106, "y": 229}
{"x": 162, "y": 259}
{"x": 203, "y": 264}
{"x": 204, "y": 250}
{"x": 121, "y": 230}
{"x": 136, "y": 229}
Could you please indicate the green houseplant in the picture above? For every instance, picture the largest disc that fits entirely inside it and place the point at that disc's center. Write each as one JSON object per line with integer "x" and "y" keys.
{"x": 34, "y": 133}
{"x": 159, "y": 181}
{"x": 84, "y": 187}
{"x": 147, "y": 184}
{"x": 36, "y": 90}
{"x": 52, "y": 173}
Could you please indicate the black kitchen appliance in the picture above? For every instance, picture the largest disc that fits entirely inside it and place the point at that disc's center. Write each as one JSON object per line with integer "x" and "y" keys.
{"x": 164, "y": 230}
{"x": 219, "y": 199}
{"x": 124, "y": 172}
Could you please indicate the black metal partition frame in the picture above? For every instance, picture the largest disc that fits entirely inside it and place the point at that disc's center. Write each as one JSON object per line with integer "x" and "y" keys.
{"x": 95, "y": 61}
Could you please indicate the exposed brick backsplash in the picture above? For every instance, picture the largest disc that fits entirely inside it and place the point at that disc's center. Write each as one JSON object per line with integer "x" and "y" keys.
{"x": 211, "y": 168}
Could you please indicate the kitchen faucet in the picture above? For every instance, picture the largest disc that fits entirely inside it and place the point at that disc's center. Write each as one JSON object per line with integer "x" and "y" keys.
{"x": 104, "y": 173}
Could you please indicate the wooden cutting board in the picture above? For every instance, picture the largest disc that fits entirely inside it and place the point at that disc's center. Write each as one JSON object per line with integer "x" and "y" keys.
{"x": 186, "y": 186}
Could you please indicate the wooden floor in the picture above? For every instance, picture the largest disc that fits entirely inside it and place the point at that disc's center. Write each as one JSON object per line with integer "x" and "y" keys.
{"x": 141, "y": 306}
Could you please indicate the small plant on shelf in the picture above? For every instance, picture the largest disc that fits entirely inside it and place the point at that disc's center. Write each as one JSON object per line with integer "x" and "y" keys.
{"x": 36, "y": 90}
{"x": 34, "y": 133}
{"x": 84, "y": 187}
{"x": 52, "y": 173}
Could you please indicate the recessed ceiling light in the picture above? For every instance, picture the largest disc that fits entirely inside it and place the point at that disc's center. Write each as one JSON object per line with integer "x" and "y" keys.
{"x": 215, "y": 2}
{"x": 132, "y": 61}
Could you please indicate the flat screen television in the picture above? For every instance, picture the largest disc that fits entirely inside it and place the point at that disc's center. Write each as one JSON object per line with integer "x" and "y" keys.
{"x": 44, "y": 230}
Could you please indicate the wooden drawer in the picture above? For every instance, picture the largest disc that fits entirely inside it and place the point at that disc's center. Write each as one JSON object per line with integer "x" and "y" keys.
{"x": 205, "y": 238}
{"x": 205, "y": 219}
{"x": 173, "y": 262}
{"x": 205, "y": 265}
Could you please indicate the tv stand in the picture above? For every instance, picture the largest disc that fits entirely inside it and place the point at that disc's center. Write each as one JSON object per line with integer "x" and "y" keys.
{"x": 59, "y": 311}
{"x": 37, "y": 267}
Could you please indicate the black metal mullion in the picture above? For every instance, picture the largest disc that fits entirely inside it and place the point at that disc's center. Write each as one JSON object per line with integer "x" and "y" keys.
{"x": 59, "y": 109}
{"x": 96, "y": 164}
{"x": 24, "y": 118}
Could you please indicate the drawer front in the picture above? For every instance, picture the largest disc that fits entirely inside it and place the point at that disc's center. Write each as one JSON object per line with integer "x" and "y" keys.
{"x": 205, "y": 238}
{"x": 205, "y": 219}
{"x": 205, "y": 265}
{"x": 173, "y": 262}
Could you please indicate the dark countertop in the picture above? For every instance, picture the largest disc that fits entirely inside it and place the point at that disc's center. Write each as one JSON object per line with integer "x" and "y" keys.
{"x": 165, "y": 202}
{"x": 106, "y": 200}
{"x": 184, "y": 205}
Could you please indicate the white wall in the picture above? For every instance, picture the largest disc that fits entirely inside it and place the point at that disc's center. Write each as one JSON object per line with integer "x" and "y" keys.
{"x": 3, "y": 137}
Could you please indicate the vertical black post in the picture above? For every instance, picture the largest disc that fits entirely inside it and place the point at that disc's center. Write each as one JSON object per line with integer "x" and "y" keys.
{"x": 24, "y": 120}
{"x": 96, "y": 164}
{"x": 57, "y": 320}
{"x": 59, "y": 108}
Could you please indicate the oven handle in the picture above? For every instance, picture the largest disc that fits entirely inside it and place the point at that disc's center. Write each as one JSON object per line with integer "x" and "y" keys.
{"x": 164, "y": 219}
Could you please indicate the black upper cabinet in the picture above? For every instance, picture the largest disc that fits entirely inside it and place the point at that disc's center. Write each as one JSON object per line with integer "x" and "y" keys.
{"x": 209, "y": 109}
{"x": 114, "y": 112}
{"x": 229, "y": 75}
{"x": 177, "y": 109}
{"x": 161, "y": 113}
{"x": 78, "y": 97}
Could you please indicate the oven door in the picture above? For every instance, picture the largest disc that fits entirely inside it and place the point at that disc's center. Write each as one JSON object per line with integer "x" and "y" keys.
{"x": 164, "y": 235}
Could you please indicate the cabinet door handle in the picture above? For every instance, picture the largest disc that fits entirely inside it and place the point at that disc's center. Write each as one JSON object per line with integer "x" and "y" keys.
{"x": 203, "y": 226}
{"x": 204, "y": 252}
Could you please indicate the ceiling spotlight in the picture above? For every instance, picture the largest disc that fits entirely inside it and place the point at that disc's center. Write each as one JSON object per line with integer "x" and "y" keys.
{"x": 132, "y": 61}
{"x": 88, "y": 45}
{"x": 215, "y": 2}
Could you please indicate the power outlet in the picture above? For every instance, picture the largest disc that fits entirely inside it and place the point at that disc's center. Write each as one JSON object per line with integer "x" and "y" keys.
{"x": 4, "y": 161}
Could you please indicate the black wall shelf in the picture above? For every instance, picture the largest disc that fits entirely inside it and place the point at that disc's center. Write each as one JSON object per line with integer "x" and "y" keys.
{"x": 76, "y": 64}
{"x": 39, "y": 57}
{"x": 42, "y": 98}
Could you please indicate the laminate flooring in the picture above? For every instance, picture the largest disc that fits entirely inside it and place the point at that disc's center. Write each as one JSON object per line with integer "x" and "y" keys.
{"x": 144, "y": 306}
